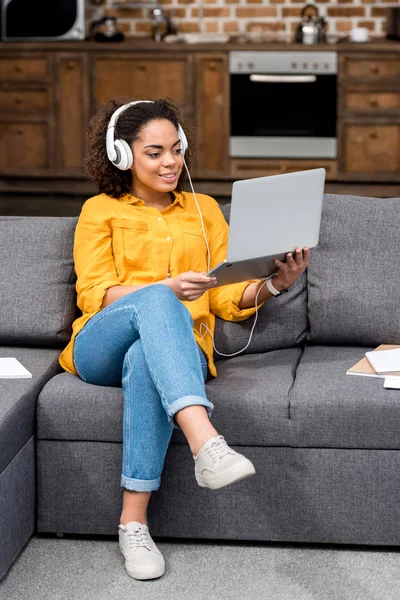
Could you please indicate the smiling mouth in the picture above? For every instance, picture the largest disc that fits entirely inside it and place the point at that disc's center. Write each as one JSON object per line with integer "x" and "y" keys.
{"x": 168, "y": 175}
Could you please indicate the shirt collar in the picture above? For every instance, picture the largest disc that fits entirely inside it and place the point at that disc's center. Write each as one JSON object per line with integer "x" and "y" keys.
{"x": 130, "y": 199}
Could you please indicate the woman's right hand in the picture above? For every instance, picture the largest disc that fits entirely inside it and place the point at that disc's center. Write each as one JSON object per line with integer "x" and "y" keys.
{"x": 190, "y": 285}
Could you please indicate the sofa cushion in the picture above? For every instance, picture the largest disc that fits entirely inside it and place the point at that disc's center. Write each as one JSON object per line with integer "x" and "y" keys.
{"x": 282, "y": 322}
{"x": 354, "y": 273}
{"x": 37, "y": 294}
{"x": 330, "y": 409}
{"x": 18, "y": 398}
{"x": 250, "y": 396}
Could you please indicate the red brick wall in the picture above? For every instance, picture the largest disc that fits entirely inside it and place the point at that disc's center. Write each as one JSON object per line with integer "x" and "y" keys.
{"x": 269, "y": 20}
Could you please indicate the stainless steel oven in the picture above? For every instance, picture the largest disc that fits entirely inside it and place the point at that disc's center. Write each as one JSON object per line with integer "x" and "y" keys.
{"x": 283, "y": 104}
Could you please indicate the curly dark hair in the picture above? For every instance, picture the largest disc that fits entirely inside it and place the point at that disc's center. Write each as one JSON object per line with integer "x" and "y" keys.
{"x": 108, "y": 178}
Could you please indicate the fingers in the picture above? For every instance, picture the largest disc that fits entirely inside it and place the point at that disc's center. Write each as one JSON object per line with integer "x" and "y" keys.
{"x": 198, "y": 280}
{"x": 195, "y": 277}
{"x": 298, "y": 258}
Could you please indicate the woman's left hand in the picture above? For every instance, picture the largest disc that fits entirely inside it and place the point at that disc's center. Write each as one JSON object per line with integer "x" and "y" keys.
{"x": 290, "y": 271}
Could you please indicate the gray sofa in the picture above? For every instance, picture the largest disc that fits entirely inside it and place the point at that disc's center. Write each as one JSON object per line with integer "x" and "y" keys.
{"x": 326, "y": 445}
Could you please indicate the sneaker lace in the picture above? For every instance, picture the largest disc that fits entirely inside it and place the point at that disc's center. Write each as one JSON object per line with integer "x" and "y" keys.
{"x": 218, "y": 449}
{"x": 138, "y": 538}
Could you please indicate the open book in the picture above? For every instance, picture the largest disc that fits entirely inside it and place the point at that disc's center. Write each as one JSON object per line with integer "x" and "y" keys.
{"x": 363, "y": 367}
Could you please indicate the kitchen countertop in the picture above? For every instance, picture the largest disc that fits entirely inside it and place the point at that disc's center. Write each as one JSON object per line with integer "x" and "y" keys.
{"x": 146, "y": 44}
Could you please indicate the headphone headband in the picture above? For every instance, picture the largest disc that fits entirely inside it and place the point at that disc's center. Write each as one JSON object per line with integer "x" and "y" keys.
{"x": 118, "y": 151}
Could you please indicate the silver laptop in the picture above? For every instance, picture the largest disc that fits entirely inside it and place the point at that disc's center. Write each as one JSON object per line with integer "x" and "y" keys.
{"x": 270, "y": 216}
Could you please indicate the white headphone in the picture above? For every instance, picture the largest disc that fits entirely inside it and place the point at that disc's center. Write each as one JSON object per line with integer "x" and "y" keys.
{"x": 118, "y": 151}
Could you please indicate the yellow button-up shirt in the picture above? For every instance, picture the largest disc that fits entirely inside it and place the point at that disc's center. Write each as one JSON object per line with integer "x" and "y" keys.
{"x": 125, "y": 242}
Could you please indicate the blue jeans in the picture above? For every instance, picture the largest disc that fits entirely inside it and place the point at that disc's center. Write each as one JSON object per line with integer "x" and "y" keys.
{"x": 145, "y": 341}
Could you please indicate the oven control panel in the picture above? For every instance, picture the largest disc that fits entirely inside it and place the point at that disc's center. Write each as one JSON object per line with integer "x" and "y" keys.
{"x": 317, "y": 63}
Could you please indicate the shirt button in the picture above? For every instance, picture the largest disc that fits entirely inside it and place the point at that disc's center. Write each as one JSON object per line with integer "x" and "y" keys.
{"x": 159, "y": 219}
{"x": 168, "y": 239}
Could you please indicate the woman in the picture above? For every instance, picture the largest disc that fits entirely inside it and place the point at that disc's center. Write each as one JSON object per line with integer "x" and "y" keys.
{"x": 142, "y": 249}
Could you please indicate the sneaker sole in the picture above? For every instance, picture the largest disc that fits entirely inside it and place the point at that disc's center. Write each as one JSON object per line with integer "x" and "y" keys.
{"x": 231, "y": 475}
{"x": 143, "y": 574}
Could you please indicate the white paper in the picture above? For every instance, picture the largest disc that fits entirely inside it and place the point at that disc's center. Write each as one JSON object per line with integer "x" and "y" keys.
{"x": 385, "y": 361}
{"x": 11, "y": 368}
{"x": 392, "y": 382}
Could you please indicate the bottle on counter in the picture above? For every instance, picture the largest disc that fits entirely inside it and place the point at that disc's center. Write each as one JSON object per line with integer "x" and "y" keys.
{"x": 162, "y": 24}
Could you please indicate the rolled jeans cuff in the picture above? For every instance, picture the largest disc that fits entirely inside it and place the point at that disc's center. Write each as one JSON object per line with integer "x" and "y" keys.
{"x": 140, "y": 485}
{"x": 188, "y": 401}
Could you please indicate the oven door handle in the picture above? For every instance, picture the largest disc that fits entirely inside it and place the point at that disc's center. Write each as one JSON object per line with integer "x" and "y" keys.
{"x": 283, "y": 78}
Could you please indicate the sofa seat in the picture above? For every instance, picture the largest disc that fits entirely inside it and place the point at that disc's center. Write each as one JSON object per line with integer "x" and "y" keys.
{"x": 17, "y": 448}
{"x": 18, "y": 398}
{"x": 250, "y": 396}
{"x": 329, "y": 409}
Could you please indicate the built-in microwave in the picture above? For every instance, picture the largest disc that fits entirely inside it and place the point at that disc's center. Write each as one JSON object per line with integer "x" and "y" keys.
{"x": 283, "y": 104}
{"x": 42, "y": 20}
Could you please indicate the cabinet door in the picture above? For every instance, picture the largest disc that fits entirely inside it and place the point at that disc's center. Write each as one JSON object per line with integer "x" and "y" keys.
{"x": 25, "y": 105}
{"x": 144, "y": 77}
{"x": 212, "y": 116}
{"x": 72, "y": 113}
{"x": 371, "y": 150}
{"x": 25, "y": 148}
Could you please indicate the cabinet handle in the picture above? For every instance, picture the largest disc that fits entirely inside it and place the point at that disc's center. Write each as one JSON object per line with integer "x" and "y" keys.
{"x": 373, "y": 103}
{"x": 373, "y": 136}
{"x": 141, "y": 68}
{"x": 375, "y": 69}
{"x": 70, "y": 65}
{"x": 19, "y": 131}
{"x": 18, "y": 68}
{"x": 212, "y": 66}
{"x": 17, "y": 100}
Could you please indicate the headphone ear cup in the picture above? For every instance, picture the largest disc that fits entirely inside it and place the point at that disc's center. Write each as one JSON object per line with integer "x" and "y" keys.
{"x": 124, "y": 158}
{"x": 183, "y": 139}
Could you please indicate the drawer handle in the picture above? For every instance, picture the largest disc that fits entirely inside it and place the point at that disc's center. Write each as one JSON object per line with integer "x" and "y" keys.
{"x": 18, "y": 69}
{"x": 141, "y": 67}
{"x": 19, "y": 131}
{"x": 375, "y": 69}
{"x": 373, "y": 103}
{"x": 17, "y": 100}
{"x": 373, "y": 136}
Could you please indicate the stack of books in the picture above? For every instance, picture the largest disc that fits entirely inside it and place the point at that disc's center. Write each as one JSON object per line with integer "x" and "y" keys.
{"x": 383, "y": 361}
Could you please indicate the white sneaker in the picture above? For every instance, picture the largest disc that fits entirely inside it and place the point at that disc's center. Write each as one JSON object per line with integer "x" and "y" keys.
{"x": 143, "y": 560}
{"x": 217, "y": 465}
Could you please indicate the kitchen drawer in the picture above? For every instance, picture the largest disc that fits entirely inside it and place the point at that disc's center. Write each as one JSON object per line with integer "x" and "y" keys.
{"x": 158, "y": 77}
{"x": 371, "y": 148}
{"x": 23, "y": 69}
{"x": 26, "y": 102}
{"x": 25, "y": 147}
{"x": 371, "y": 68}
{"x": 246, "y": 168}
{"x": 371, "y": 101}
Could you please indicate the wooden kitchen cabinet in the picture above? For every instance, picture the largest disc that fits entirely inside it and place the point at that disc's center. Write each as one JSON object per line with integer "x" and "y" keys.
{"x": 48, "y": 92}
{"x": 212, "y": 116}
{"x": 71, "y": 113}
{"x": 148, "y": 76}
{"x": 25, "y": 114}
{"x": 43, "y": 115}
{"x": 369, "y": 117}
{"x": 371, "y": 148}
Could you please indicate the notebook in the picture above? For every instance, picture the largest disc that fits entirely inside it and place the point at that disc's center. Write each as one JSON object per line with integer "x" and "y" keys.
{"x": 270, "y": 216}
{"x": 386, "y": 362}
{"x": 363, "y": 367}
{"x": 11, "y": 368}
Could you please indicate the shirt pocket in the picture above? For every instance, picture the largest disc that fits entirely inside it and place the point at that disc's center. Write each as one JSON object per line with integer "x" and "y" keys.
{"x": 133, "y": 244}
{"x": 194, "y": 249}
